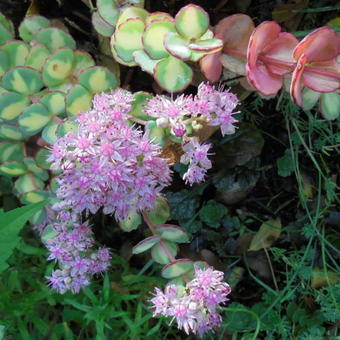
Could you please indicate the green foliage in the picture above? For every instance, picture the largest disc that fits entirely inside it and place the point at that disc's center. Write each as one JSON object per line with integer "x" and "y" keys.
{"x": 11, "y": 223}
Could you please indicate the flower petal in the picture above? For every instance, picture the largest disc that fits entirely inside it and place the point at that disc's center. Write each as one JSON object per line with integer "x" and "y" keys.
{"x": 235, "y": 31}
{"x": 211, "y": 67}
{"x": 296, "y": 84}
{"x": 321, "y": 45}
{"x": 281, "y": 49}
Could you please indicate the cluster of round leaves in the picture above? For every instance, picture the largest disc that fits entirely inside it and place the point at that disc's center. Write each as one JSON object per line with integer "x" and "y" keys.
{"x": 44, "y": 79}
{"x": 160, "y": 44}
{"x": 163, "y": 244}
{"x": 105, "y": 16}
{"x": 270, "y": 59}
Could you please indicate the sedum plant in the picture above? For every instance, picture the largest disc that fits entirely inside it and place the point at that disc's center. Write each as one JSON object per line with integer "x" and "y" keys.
{"x": 161, "y": 45}
{"x": 271, "y": 59}
{"x": 44, "y": 79}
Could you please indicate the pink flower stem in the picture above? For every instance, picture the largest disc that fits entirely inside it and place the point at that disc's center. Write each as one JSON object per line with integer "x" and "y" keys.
{"x": 161, "y": 243}
{"x": 287, "y": 64}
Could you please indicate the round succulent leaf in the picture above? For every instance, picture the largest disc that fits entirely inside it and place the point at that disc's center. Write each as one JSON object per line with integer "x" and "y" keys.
{"x": 177, "y": 46}
{"x": 33, "y": 119}
{"x": 78, "y": 99}
{"x": 7, "y": 23}
{"x": 41, "y": 159}
{"x": 155, "y": 133}
{"x": 207, "y": 46}
{"x": 309, "y": 98}
{"x": 11, "y": 132}
{"x": 54, "y": 38}
{"x": 330, "y": 105}
{"x": 117, "y": 57}
{"x": 12, "y": 104}
{"x": 54, "y": 101}
{"x": 131, "y": 222}
{"x": 177, "y": 268}
{"x": 32, "y": 167}
{"x": 108, "y": 10}
{"x": 82, "y": 60}
{"x": 128, "y": 38}
{"x": 69, "y": 125}
{"x": 161, "y": 256}
{"x": 196, "y": 56}
{"x": 173, "y": 75}
{"x": 49, "y": 132}
{"x": 58, "y": 67}
{"x": 172, "y": 233}
{"x": 160, "y": 213}
{"x": 5, "y": 34}
{"x": 98, "y": 79}
{"x": 153, "y": 37}
{"x": 13, "y": 168}
{"x": 11, "y": 151}
{"x": 17, "y": 52}
{"x": 63, "y": 87}
{"x": 101, "y": 26}
{"x": 4, "y": 63}
{"x": 146, "y": 244}
{"x": 157, "y": 15}
{"x": 137, "y": 108}
{"x": 132, "y": 12}
{"x": 31, "y": 25}
{"x": 144, "y": 61}
{"x": 27, "y": 183}
{"x": 192, "y": 21}
{"x": 22, "y": 79}
{"x": 34, "y": 197}
{"x": 37, "y": 56}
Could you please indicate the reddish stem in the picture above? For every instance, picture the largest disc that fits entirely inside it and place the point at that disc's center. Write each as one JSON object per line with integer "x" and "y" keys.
{"x": 284, "y": 63}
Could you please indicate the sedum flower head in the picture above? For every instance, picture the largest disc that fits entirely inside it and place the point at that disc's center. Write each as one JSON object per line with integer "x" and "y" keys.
{"x": 107, "y": 163}
{"x": 195, "y": 306}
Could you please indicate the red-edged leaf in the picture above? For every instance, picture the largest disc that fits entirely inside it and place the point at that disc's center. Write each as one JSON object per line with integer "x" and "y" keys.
{"x": 235, "y": 31}
{"x": 172, "y": 233}
{"x": 177, "y": 268}
{"x": 315, "y": 79}
{"x": 296, "y": 84}
{"x": 146, "y": 244}
{"x": 258, "y": 74}
{"x": 321, "y": 45}
{"x": 281, "y": 49}
{"x": 211, "y": 66}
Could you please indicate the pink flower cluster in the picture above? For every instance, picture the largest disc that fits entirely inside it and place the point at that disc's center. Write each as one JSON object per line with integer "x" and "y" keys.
{"x": 71, "y": 247}
{"x": 214, "y": 106}
{"x": 196, "y": 156}
{"x": 195, "y": 306}
{"x": 107, "y": 163}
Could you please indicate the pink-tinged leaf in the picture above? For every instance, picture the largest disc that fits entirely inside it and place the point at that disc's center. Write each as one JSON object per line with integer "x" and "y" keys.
{"x": 266, "y": 83}
{"x": 258, "y": 74}
{"x": 235, "y": 31}
{"x": 177, "y": 268}
{"x": 321, "y": 45}
{"x": 173, "y": 233}
{"x": 315, "y": 76}
{"x": 211, "y": 67}
{"x": 296, "y": 84}
{"x": 281, "y": 49}
{"x": 146, "y": 244}
{"x": 234, "y": 63}
{"x": 207, "y": 46}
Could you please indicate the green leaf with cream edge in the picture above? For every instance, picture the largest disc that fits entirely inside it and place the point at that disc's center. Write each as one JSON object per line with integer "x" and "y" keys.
{"x": 146, "y": 244}
{"x": 177, "y": 268}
